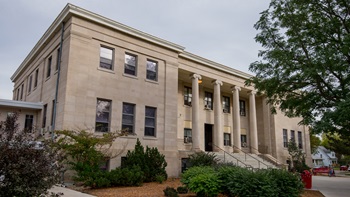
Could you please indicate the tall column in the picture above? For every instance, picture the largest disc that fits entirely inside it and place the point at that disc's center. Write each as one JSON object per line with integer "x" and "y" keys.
{"x": 252, "y": 123}
{"x": 195, "y": 112}
{"x": 236, "y": 119}
{"x": 218, "y": 136}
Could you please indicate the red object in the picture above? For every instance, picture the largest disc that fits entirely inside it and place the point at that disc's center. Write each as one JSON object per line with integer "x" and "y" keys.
{"x": 323, "y": 169}
{"x": 306, "y": 177}
{"x": 344, "y": 168}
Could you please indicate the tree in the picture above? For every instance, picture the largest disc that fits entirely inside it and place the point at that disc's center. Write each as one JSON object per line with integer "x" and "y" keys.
{"x": 337, "y": 143}
{"x": 26, "y": 169}
{"x": 297, "y": 156}
{"x": 314, "y": 142}
{"x": 84, "y": 152}
{"x": 305, "y": 66}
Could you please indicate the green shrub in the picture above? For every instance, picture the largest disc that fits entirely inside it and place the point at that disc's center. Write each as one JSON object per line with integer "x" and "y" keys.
{"x": 151, "y": 162}
{"x": 131, "y": 176}
{"x": 194, "y": 171}
{"x": 287, "y": 183}
{"x": 160, "y": 178}
{"x": 229, "y": 175}
{"x": 205, "y": 185}
{"x": 170, "y": 192}
{"x": 182, "y": 190}
{"x": 203, "y": 159}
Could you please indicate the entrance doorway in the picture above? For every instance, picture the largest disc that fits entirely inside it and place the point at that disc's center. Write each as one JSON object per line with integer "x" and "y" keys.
{"x": 208, "y": 137}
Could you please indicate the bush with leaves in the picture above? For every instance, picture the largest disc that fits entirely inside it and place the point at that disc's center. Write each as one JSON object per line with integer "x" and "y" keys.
{"x": 151, "y": 162}
{"x": 203, "y": 159}
{"x": 84, "y": 152}
{"x": 287, "y": 184}
{"x": 297, "y": 156}
{"x": 205, "y": 185}
{"x": 194, "y": 171}
{"x": 170, "y": 192}
{"x": 26, "y": 169}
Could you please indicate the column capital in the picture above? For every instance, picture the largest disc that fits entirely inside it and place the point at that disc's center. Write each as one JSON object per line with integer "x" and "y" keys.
{"x": 235, "y": 88}
{"x": 195, "y": 76}
{"x": 216, "y": 82}
{"x": 252, "y": 92}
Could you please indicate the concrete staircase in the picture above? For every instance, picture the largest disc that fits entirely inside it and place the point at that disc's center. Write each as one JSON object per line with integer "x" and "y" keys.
{"x": 248, "y": 160}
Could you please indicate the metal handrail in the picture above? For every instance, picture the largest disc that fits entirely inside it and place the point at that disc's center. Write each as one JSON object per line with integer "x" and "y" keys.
{"x": 273, "y": 160}
{"x": 245, "y": 157}
{"x": 246, "y": 165}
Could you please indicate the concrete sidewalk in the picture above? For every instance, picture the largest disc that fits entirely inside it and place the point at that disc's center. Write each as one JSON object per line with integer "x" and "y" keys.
{"x": 338, "y": 186}
{"x": 68, "y": 192}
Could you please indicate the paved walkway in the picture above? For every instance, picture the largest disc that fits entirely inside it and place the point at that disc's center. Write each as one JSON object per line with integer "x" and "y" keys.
{"x": 68, "y": 192}
{"x": 338, "y": 186}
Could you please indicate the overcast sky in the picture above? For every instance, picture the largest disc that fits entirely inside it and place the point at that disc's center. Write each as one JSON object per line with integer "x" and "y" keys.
{"x": 218, "y": 30}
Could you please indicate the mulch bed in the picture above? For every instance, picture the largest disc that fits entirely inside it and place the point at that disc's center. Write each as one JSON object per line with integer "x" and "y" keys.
{"x": 156, "y": 190}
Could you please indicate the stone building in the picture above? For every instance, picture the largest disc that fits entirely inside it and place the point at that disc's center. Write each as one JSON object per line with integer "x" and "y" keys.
{"x": 107, "y": 76}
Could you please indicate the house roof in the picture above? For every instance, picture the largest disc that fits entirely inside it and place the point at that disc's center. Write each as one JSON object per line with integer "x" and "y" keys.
{"x": 72, "y": 10}
{"x": 20, "y": 104}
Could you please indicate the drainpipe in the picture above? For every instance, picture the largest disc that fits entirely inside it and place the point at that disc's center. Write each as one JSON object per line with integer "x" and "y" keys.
{"x": 58, "y": 80}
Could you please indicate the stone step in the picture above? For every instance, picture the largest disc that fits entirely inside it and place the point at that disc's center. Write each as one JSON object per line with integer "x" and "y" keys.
{"x": 252, "y": 160}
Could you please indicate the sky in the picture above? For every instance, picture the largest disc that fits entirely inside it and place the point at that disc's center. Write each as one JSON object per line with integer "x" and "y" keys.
{"x": 219, "y": 30}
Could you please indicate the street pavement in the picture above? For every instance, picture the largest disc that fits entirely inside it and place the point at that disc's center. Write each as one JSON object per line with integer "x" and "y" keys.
{"x": 338, "y": 186}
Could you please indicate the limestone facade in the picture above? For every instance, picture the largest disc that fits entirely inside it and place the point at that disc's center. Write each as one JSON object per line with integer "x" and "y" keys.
{"x": 169, "y": 98}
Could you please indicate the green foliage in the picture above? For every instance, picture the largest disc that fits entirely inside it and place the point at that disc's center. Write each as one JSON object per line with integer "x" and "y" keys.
{"x": 170, "y": 192}
{"x": 203, "y": 159}
{"x": 298, "y": 157}
{"x": 84, "y": 152}
{"x": 194, "y": 171}
{"x": 205, "y": 185}
{"x": 314, "y": 142}
{"x": 287, "y": 183}
{"x": 151, "y": 162}
{"x": 340, "y": 144}
{"x": 25, "y": 168}
{"x": 305, "y": 63}
{"x": 160, "y": 178}
{"x": 182, "y": 190}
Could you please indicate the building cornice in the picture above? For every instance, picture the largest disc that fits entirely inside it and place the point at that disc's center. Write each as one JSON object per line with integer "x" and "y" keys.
{"x": 20, "y": 104}
{"x": 70, "y": 10}
{"x": 214, "y": 65}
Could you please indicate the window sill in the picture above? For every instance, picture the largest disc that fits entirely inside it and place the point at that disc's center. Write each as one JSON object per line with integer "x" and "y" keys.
{"x": 151, "y": 81}
{"x": 106, "y": 70}
{"x": 132, "y": 136}
{"x": 150, "y": 138}
{"x": 130, "y": 76}
{"x": 47, "y": 78}
{"x": 188, "y": 144}
{"x": 188, "y": 106}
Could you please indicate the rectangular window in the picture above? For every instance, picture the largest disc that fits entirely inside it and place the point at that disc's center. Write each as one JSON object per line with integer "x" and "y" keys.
{"x": 128, "y": 117}
{"x": 285, "y": 138}
{"x": 208, "y": 100}
{"x": 103, "y": 110}
{"x": 30, "y": 84}
{"x": 49, "y": 63}
{"x": 187, "y": 96}
{"x": 292, "y": 135}
{"x": 187, "y": 135}
{"x": 104, "y": 164}
{"x": 226, "y": 104}
{"x": 22, "y": 87}
{"x": 242, "y": 108}
{"x": 243, "y": 141}
{"x": 227, "y": 139}
{"x": 44, "y": 116}
{"x": 36, "y": 78}
{"x": 18, "y": 94}
{"x": 28, "y": 124}
{"x": 130, "y": 64}
{"x": 58, "y": 58}
{"x": 300, "y": 140}
{"x": 150, "y": 121}
{"x": 152, "y": 69}
{"x": 106, "y": 58}
{"x": 52, "y": 112}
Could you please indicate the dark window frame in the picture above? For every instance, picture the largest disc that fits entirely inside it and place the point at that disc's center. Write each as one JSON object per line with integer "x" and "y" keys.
{"x": 242, "y": 108}
{"x": 154, "y": 118}
{"x": 285, "y": 138}
{"x": 124, "y": 115}
{"x": 103, "y": 64}
{"x": 48, "y": 67}
{"x": 44, "y": 116}
{"x": 100, "y": 124}
{"x": 57, "y": 58}
{"x": 300, "y": 140}
{"x": 150, "y": 74}
{"x": 126, "y": 64}
{"x": 52, "y": 111}
{"x": 30, "y": 83}
{"x": 28, "y": 123}
{"x": 226, "y": 104}
{"x": 208, "y": 100}
{"x": 244, "y": 141}
{"x": 292, "y": 135}
{"x": 187, "y": 135}
{"x": 36, "y": 78}
{"x": 187, "y": 96}
{"x": 227, "y": 142}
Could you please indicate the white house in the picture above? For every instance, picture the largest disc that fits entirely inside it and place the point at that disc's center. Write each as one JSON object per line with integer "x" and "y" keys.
{"x": 323, "y": 157}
